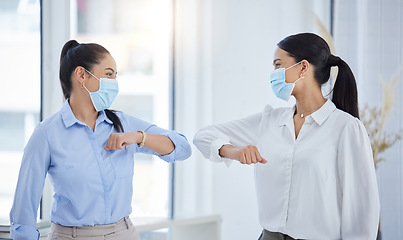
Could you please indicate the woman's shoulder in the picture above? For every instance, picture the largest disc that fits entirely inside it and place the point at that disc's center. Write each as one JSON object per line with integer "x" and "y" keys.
{"x": 49, "y": 125}
{"x": 132, "y": 121}
{"x": 51, "y": 120}
{"x": 346, "y": 120}
{"x": 127, "y": 117}
{"x": 273, "y": 115}
{"x": 344, "y": 117}
{"x": 275, "y": 111}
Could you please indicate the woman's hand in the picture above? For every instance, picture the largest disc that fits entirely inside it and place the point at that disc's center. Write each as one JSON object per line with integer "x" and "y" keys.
{"x": 118, "y": 141}
{"x": 247, "y": 155}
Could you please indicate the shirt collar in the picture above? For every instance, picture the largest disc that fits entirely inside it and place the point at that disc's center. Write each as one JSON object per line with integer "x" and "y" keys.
{"x": 324, "y": 112}
{"x": 69, "y": 119}
{"x": 102, "y": 117}
{"x": 318, "y": 116}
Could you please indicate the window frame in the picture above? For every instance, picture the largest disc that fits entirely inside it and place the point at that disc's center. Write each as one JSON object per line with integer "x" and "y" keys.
{"x": 54, "y": 17}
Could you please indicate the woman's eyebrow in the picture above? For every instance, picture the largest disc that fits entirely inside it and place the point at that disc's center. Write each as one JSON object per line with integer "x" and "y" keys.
{"x": 110, "y": 69}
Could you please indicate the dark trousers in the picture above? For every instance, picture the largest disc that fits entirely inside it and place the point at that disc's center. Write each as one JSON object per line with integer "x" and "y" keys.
{"x": 266, "y": 235}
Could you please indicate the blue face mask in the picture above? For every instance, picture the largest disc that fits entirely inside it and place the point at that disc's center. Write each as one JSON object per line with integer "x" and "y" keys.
{"x": 280, "y": 87}
{"x": 103, "y": 98}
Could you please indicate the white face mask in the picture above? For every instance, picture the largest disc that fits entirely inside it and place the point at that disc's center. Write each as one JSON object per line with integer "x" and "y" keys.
{"x": 103, "y": 98}
{"x": 280, "y": 87}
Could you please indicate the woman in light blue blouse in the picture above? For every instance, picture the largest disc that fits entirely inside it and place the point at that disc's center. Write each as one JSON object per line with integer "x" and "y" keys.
{"x": 88, "y": 152}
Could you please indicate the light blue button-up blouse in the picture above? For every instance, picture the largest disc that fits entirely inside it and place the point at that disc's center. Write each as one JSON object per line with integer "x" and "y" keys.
{"x": 92, "y": 185}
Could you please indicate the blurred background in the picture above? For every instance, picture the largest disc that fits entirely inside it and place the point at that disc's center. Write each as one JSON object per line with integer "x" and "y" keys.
{"x": 184, "y": 64}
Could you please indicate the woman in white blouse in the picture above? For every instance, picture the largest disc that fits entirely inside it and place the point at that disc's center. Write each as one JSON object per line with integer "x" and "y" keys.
{"x": 314, "y": 171}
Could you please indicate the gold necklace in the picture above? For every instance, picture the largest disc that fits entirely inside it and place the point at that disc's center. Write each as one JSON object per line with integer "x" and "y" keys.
{"x": 302, "y": 115}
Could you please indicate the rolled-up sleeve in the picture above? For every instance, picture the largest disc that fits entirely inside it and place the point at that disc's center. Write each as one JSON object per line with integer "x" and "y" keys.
{"x": 34, "y": 167}
{"x": 360, "y": 199}
{"x": 182, "y": 149}
{"x": 240, "y": 133}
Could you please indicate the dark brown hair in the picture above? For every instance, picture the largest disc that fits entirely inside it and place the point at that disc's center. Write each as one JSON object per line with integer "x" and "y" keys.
{"x": 316, "y": 51}
{"x": 86, "y": 55}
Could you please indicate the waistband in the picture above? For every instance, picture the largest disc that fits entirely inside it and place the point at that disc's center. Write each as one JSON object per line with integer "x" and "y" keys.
{"x": 97, "y": 230}
{"x": 276, "y": 235}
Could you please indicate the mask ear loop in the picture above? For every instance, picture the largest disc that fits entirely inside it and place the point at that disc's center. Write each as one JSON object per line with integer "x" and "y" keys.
{"x": 82, "y": 84}
{"x": 301, "y": 76}
{"x": 288, "y": 67}
{"x": 91, "y": 74}
{"x": 298, "y": 80}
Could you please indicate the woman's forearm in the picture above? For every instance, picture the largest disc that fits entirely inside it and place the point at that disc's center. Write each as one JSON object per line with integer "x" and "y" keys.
{"x": 156, "y": 142}
{"x": 159, "y": 143}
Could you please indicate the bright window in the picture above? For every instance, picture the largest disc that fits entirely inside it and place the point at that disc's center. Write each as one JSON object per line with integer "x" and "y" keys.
{"x": 138, "y": 34}
{"x": 20, "y": 91}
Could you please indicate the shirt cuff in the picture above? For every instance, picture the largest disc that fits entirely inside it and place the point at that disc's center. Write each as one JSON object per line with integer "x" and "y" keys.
{"x": 182, "y": 149}
{"x": 214, "y": 152}
{"x": 23, "y": 232}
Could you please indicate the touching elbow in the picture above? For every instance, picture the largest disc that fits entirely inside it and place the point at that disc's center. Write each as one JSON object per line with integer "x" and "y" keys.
{"x": 186, "y": 152}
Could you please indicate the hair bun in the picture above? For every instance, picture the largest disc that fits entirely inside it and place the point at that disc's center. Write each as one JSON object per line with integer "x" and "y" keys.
{"x": 333, "y": 60}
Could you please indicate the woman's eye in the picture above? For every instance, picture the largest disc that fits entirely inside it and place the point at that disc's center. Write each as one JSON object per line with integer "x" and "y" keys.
{"x": 277, "y": 65}
{"x": 109, "y": 74}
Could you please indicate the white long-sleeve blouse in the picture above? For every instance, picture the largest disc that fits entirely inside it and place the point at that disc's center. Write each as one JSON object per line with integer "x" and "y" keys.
{"x": 320, "y": 185}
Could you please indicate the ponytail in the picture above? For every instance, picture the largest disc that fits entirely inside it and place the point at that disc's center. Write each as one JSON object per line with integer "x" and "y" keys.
{"x": 117, "y": 124}
{"x": 67, "y": 46}
{"x": 345, "y": 88}
{"x": 87, "y": 55}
